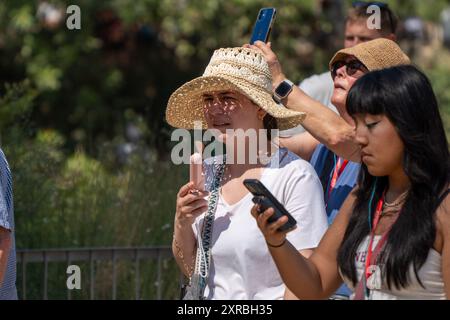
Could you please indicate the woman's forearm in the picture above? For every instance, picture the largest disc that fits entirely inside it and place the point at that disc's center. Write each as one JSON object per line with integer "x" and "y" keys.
{"x": 324, "y": 124}
{"x": 184, "y": 248}
{"x": 299, "y": 274}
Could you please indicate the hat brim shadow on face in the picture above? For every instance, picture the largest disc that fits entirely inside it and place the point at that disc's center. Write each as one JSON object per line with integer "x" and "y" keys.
{"x": 185, "y": 105}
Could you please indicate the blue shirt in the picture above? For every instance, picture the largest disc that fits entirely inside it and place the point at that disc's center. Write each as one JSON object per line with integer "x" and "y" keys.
{"x": 8, "y": 289}
{"x": 344, "y": 184}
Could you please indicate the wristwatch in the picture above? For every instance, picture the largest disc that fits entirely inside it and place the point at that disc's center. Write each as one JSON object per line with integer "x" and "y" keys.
{"x": 282, "y": 90}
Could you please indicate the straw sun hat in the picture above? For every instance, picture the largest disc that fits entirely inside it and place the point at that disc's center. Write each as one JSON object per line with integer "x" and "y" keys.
{"x": 237, "y": 69}
{"x": 375, "y": 54}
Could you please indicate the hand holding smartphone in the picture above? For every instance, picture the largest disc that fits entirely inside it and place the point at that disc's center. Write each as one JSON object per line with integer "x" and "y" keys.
{"x": 263, "y": 25}
{"x": 266, "y": 199}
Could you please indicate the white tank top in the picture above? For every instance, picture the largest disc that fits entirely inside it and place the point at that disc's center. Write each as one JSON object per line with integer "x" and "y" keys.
{"x": 430, "y": 275}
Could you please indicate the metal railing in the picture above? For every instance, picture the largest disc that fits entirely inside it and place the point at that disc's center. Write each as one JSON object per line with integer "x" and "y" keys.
{"x": 92, "y": 255}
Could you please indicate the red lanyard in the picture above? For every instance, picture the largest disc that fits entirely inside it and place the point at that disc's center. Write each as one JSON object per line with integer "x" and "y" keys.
{"x": 372, "y": 255}
{"x": 338, "y": 169}
{"x": 369, "y": 260}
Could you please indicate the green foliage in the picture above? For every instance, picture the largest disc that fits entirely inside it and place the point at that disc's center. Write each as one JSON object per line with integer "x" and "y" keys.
{"x": 18, "y": 98}
{"x": 429, "y": 10}
{"x": 439, "y": 77}
{"x": 131, "y": 55}
{"x": 65, "y": 199}
{"x": 67, "y": 97}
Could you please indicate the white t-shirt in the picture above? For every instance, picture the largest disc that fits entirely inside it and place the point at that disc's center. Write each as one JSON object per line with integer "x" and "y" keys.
{"x": 320, "y": 87}
{"x": 241, "y": 265}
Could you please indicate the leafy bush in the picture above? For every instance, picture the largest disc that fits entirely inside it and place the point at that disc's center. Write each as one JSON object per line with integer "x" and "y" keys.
{"x": 69, "y": 97}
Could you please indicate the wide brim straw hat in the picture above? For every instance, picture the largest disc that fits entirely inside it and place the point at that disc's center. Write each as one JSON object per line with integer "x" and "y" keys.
{"x": 375, "y": 54}
{"x": 231, "y": 69}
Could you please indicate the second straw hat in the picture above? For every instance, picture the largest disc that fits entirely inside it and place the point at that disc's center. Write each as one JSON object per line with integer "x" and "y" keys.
{"x": 375, "y": 54}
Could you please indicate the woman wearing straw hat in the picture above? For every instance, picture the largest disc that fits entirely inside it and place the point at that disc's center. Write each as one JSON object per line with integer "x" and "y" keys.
{"x": 391, "y": 238}
{"x": 216, "y": 243}
{"x": 336, "y": 131}
{"x": 330, "y": 158}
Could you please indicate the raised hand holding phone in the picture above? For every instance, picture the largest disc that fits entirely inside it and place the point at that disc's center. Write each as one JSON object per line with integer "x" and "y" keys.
{"x": 263, "y": 25}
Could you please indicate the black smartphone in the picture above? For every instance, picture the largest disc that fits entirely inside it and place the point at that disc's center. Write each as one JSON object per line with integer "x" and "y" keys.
{"x": 263, "y": 25}
{"x": 266, "y": 199}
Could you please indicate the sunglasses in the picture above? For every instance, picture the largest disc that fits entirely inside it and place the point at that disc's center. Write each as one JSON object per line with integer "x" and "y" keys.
{"x": 381, "y": 5}
{"x": 351, "y": 67}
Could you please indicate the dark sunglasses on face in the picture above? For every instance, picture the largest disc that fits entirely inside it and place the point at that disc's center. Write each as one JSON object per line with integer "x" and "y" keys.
{"x": 351, "y": 67}
{"x": 381, "y": 5}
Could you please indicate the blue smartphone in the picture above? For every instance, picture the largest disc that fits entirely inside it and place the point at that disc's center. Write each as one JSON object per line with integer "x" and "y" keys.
{"x": 263, "y": 25}
{"x": 266, "y": 200}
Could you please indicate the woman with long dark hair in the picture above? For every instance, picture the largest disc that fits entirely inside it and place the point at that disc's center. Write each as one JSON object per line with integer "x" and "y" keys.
{"x": 391, "y": 239}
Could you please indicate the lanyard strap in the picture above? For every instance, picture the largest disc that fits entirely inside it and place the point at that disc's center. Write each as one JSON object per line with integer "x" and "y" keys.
{"x": 203, "y": 257}
{"x": 369, "y": 259}
{"x": 362, "y": 291}
{"x": 337, "y": 171}
{"x": 372, "y": 256}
